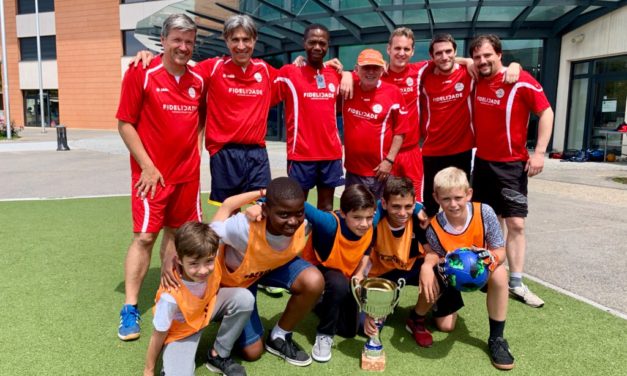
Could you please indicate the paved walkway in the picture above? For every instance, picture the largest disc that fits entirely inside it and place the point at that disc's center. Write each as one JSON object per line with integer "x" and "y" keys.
{"x": 577, "y": 230}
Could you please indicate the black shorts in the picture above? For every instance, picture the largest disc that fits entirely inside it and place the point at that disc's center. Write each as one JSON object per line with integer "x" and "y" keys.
{"x": 309, "y": 174}
{"x": 502, "y": 185}
{"x": 450, "y": 300}
{"x": 237, "y": 169}
{"x": 433, "y": 165}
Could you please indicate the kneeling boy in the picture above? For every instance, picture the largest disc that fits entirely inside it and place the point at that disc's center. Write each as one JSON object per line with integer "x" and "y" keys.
{"x": 462, "y": 223}
{"x": 181, "y": 315}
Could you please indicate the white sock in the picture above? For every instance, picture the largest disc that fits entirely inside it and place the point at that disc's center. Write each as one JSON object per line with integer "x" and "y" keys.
{"x": 277, "y": 332}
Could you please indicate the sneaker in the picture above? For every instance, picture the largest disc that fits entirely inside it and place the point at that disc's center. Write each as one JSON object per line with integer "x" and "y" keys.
{"x": 129, "y": 323}
{"x": 321, "y": 351}
{"x": 419, "y": 331}
{"x": 288, "y": 350}
{"x": 275, "y": 291}
{"x": 525, "y": 295}
{"x": 224, "y": 366}
{"x": 500, "y": 355}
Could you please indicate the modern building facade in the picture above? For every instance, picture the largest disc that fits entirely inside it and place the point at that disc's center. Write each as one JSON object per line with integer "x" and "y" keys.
{"x": 577, "y": 49}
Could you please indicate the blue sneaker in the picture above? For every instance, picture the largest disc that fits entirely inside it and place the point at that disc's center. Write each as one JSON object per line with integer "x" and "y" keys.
{"x": 129, "y": 323}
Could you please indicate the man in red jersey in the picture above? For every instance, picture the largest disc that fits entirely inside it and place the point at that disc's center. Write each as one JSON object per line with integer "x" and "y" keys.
{"x": 309, "y": 91}
{"x": 502, "y": 163}
{"x": 158, "y": 121}
{"x": 237, "y": 112}
{"x": 406, "y": 76}
{"x": 375, "y": 124}
{"x": 446, "y": 106}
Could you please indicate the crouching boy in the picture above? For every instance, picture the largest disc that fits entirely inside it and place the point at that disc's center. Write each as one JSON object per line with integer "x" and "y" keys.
{"x": 181, "y": 315}
{"x": 462, "y": 223}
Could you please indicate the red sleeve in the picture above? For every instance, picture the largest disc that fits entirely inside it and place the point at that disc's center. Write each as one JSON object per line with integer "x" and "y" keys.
{"x": 535, "y": 98}
{"x": 275, "y": 86}
{"x": 132, "y": 96}
{"x": 400, "y": 123}
{"x": 205, "y": 67}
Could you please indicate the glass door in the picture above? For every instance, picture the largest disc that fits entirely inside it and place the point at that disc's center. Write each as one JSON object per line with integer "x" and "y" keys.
{"x": 610, "y": 96}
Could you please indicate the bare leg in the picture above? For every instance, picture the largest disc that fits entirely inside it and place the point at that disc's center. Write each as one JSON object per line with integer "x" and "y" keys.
{"x": 306, "y": 291}
{"x": 515, "y": 244}
{"x": 325, "y": 198}
{"x": 498, "y": 291}
{"x": 136, "y": 264}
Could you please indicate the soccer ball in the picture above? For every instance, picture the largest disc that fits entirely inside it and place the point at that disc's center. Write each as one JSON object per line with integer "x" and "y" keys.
{"x": 464, "y": 271}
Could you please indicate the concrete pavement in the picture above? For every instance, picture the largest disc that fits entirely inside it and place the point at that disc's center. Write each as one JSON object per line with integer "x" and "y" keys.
{"x": 577, "y": 228}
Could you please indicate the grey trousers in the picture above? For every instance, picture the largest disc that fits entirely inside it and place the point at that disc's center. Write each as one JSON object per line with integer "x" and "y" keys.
{"x": 233, "y": 306}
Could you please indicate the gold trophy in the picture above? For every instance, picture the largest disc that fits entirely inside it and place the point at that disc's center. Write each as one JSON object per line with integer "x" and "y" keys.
{"x": 377, "y": 297}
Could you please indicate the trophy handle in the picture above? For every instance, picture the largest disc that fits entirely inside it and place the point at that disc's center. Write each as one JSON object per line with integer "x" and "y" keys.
{"x": 399, "y": 285}
{"x": 354, "y": 287}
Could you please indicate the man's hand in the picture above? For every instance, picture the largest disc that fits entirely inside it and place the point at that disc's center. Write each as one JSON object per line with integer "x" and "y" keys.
{"x": 370, "y": 328}
{"x": 144, "y": 56}
{"x": 423, "y": 219}
{"x": 535, "y": 164}
{"x": 429, "y": 284}
{"x": 512, "y": 74}
{"x": 346, "y": 85}
{"x": 299, "y": 61}
{"x": 382, "y": 171}
{"x": 168, "y": 276}
{"x": 149, "y": 372}
{"x": 148, "y": 181}
{"x": 335, "y": 64}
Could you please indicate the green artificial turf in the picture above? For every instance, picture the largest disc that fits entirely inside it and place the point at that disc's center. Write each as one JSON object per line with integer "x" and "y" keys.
{"x": 61, "y": 286}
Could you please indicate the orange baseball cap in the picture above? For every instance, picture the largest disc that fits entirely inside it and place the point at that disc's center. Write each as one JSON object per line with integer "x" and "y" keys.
{"x": 370, "y": 57}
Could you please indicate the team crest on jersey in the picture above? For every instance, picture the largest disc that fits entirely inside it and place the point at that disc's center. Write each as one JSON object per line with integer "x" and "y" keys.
{"x": 377, "y": 108}
{"x": 499, "y": 93}
{"x": 257, "y": 76}
{"x": 331, "y": 87}
{"x": 409, "y": 81}
{"x": 192, "y": 92}
{"x": 459, "y": 86}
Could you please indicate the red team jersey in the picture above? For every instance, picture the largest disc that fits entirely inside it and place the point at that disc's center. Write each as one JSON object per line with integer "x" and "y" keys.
{"x": 501, "y": 116}
{"x": 408, "y": 81}
{"x": 237, "y": 102}
{"x": 371, "y": 119}
{"x": 165, "y": 114}
{"x": 310, "y": 119}
{"x": 447, "y": 112}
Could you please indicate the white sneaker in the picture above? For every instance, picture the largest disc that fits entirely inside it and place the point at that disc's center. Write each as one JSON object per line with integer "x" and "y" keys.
{"x": 321, "y": 351}
{"x": 525, "y": 295}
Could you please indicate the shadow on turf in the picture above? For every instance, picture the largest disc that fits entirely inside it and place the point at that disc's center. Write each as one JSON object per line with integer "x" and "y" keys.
{"x": 148, "y": 291}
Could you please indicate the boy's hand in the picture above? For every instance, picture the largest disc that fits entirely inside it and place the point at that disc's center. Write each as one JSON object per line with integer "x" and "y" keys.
{"x": 370, "y": 328}
{"x": 489, "y": 258}
{"x": 429, "y": 284}
{"x": 254, "y": 213}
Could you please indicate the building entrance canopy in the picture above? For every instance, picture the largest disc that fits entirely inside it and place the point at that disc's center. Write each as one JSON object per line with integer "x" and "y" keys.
{"x": 281, "y": 22}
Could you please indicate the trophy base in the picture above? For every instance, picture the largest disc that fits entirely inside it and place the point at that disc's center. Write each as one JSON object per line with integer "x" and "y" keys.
{"x": 373, "y": 364}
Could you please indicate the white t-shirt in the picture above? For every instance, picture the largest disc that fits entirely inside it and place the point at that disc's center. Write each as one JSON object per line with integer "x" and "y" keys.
{"x": 234, "y": 231}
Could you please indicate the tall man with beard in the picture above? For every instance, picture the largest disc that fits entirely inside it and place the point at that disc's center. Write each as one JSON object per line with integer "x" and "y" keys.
{"x": 502, "y": 163}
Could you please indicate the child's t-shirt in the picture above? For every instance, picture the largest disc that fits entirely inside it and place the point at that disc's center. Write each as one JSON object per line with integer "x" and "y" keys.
{"x": 491, "y": 227}
{"x": 234, "y": 232}
{"x": 167, "y": 310}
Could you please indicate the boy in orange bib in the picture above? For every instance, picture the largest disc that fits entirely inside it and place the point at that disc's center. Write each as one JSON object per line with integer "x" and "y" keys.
{"x": 266, "y": 252}
{"x": 462, "y": 223}
{"x": 181, "y": 315}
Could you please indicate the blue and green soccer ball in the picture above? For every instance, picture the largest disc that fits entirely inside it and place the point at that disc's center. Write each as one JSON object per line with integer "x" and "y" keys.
{"x": 464, "y": 271}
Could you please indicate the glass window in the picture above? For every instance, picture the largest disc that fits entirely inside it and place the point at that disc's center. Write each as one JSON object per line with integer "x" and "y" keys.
{"x": 526, "y": 52}
{"x": 28, "y": 48}
{"x": 28, "y": 6}
{"x": 581, "y": 68}
{"x": 549, "y": 13}
{"x": 577, "y": 116}
{"x": 508, "y": 13}
{"x": 131, "y": 44}
{"x": 611, "y": 65}
{"x": 32, "y": 111}
{"x": 463, "y": 14}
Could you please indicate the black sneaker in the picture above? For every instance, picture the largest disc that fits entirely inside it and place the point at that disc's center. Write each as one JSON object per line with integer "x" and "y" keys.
{"x": 500, "y": 355}
{"x": 288, "y": 350}
{"x": 224, "y": 366}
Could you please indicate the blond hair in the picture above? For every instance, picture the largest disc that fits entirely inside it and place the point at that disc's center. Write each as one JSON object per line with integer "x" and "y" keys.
{"x": 402, "y": 32}
{"x": 450, "y": 178}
